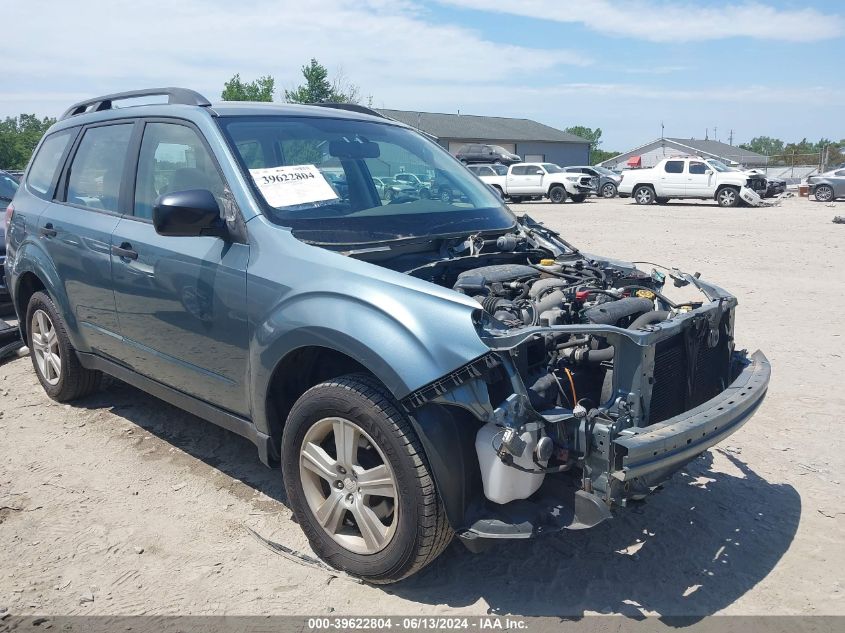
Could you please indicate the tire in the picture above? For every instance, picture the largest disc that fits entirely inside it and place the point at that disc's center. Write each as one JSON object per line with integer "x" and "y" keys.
{"x": 390, "y": 195}
{"x": 499, "y": 191}
{"x": 445, "y": 195}
{"x": 728, "y": 197}
{"x": 579, "y": 197}
{"x": 53, "y": 357}
{"x": 412, "y": 529}
{"x": 557, "y": 194}
{"x": 608, "y": 190}
{"x": 516, "y": 199}
{"x": 425, "y": 193}
{"x": 823, "y": 193}
{"x": 644, "y": 194}
{"x": 497, "y": 162}
{"x": 662, "y": 200}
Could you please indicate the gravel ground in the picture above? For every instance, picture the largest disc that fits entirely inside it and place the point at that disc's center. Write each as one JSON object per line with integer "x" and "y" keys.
{"x": 121, "y": 504}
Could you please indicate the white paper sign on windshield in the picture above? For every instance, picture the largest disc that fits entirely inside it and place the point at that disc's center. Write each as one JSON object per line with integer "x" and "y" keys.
{"x": 292, "y": 185}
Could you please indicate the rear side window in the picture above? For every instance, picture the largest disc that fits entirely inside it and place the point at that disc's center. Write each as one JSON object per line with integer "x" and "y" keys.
{"x": 42, "y": 172}
{"x": 674, "y": 167}
{"x": 519, "y": 170}
{"x": 97, "y": 168}
{"x": 696, "y": 168}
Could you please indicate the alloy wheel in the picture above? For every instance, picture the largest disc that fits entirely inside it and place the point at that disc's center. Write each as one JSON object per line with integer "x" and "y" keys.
{"x": 644, "y": 195}
{"x": 349, "y": 485}
{"x": 824, "y": 193}
{"x": 45, "y": 346}
{"x": 608, "y": 191}
{"x": 727, "y": 197}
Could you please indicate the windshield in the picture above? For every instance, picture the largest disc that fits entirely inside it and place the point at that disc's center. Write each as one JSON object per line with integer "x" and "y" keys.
{"x": 720, "y": 166}
{"x": 552, "y": 168}
{"x": 288, "y": 159}
{"x": 604, "y": 171}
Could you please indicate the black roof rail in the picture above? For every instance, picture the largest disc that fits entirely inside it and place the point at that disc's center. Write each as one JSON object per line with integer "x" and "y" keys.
{"x": 182, "y": 96}
{"x": 352, "y": 107}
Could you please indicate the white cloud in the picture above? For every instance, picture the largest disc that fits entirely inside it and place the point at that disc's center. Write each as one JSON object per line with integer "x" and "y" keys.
{"x": 663, "y": 21}
{"x": 86, "y": 47}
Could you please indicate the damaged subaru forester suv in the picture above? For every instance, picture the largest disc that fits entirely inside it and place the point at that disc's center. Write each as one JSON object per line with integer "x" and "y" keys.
{"x": 417, "y": 368}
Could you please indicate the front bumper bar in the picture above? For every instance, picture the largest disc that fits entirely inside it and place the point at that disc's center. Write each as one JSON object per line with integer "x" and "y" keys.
{"x": 654, "y": 452}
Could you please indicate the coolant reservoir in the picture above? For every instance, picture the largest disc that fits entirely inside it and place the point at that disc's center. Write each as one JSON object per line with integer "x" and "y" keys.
{"x": 503, "y": 483}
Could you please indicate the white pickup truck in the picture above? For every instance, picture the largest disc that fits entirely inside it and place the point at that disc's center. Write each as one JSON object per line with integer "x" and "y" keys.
{"x": 541, "y": 180}
{"x": 691, "y": 177}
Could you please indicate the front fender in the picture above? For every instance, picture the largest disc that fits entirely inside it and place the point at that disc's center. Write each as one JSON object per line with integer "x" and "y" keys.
{"x": 405, "y": 345}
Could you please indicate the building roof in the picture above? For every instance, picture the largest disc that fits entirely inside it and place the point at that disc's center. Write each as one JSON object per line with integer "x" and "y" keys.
{"x": 717, "y": 148}
{"x": 480, "y": 128}
{"x": 705, "y": 148}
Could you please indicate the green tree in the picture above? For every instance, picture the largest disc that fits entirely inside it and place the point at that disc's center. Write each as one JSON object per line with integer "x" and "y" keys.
{"x": 600, "y": 155}
{"x": 259, "y": 90}
{"x": 319, "y": 89}
{"x": 765, "y": 145}
{"x": 586, "y": 133}
{"x": 18, "y": 137}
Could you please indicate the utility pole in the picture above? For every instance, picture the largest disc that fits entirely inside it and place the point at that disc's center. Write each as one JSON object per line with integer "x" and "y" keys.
{"x": 715, "y": 133}
{"x": 661, "y": 129}
{"x": 731, "y": 138}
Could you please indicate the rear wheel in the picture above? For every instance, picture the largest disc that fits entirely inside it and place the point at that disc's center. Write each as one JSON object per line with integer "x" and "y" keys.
{"x": 644, "y": 194}
{"x": 359, "y": 483}
{"x": 557, "y": 194}
{"x": 53, "y": 357}
{"x": 823, "y": 193}
{"x": 728, "y": 197}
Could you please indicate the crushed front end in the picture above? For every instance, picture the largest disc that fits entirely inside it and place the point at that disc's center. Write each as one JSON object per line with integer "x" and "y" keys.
{"x": 597, "y": 386}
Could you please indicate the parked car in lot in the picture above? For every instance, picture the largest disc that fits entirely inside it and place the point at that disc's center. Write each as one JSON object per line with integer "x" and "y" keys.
{"x": 479, "y": 153}
{"x": 689, "y": 177}
{"x": 417, "y": 369}
{"x": 526, "y": 181}
{"x": 828, "y": 186}
{"x": 774, "y": 187}
{"x": 607, "y": 181}
{"x": 389, "y": 188}
{"x": 488, "y": 170}
{"x": 8, "y": 189}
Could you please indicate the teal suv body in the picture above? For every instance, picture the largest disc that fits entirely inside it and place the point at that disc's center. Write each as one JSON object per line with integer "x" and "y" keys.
{"x": 417, "y": 368}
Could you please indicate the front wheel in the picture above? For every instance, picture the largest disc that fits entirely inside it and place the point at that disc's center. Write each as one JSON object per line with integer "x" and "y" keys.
{"x": 557, "y": 194}
{"x": 644, "y": 195}
{"x": 728, "y": 197}
{"x": 445, "y": 195}
{"x": 608, "y": 190}
{"x": 823, "y": 193}
{"x": 359, "y": 483}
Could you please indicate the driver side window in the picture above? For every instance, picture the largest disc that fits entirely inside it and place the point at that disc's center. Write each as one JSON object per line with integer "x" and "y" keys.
{"x": 173, "y": 158}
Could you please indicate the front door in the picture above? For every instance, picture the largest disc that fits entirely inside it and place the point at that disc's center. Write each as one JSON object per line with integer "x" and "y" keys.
{"x": 699, "y": 181}
{"x": 525, "y": 179}
{"x": 181, "y": 301}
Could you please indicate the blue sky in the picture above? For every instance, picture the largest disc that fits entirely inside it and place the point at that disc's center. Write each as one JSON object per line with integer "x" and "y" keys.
{"x": 760, "y": 67}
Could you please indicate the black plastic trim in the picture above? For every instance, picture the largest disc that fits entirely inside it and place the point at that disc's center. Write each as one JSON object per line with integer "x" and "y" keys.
{"x": 229, "y": 421}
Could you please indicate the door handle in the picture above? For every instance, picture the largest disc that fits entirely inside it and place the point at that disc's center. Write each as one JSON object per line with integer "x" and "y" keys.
{"x": 48, "y": 231}
{"x": 124, "y": 251}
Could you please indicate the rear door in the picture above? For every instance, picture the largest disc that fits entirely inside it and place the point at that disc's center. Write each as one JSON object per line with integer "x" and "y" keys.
{"x": 672, "y": 180}
{"x": 75, "y": 229}
{"x": 181, "y": 301}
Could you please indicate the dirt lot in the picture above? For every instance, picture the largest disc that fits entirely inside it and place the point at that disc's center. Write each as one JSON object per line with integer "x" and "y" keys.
{"x": 121, "y": 504}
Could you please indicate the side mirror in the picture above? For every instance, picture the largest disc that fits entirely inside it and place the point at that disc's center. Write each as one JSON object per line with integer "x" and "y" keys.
{"x": 708, "y": 172}
{"x": 188, "y": 214}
